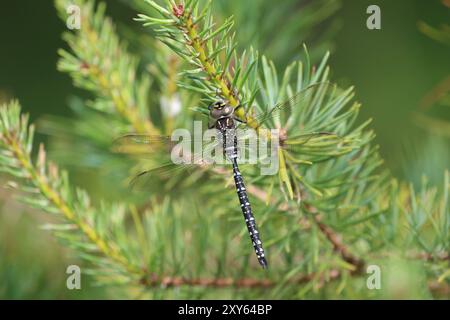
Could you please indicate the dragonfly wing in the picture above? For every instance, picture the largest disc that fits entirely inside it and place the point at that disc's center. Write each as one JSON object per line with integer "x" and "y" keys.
{"x": 141, "y": 138}
{"x": 141, "y": 144}
{"x": 300, "y": 105}
{"x": 254, "y": 149}
{"x": 311, "y": 141}
{"x": 151, "y": 144}
{"x": 296, "y": 104}
{"x": 143, "y": 178}
{"x": 183, "y": 163}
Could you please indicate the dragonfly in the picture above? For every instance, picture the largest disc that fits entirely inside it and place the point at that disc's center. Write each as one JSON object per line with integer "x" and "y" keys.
{"x": 223, "y": 118}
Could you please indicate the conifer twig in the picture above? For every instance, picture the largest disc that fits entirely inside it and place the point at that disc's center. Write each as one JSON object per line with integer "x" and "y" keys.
{"x": 349, "y": 185}
{"x": 99, "y": 63}
{"x": 330, "y": 234}
{"x": 16, "y": 139}
{"x": 155, "y": 281}
{"x": 204, "y": 47}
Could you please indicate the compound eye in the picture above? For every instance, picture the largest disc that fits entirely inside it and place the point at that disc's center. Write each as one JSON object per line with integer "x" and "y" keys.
{"x": 214, "y": 105}
{"x": 216, "y": 113}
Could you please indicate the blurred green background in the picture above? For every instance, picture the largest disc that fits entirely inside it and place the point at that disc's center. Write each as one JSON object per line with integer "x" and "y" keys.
{"x": 393, "y": 69}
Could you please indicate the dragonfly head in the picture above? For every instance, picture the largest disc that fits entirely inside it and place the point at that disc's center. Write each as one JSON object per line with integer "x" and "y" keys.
{"x": 220, "y": 109}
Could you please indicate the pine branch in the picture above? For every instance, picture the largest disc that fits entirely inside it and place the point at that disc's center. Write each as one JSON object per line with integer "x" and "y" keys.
{"x": 45, "y": 187}
{"x": 312, "y": 23}
{"x": 53, "y": 195}
{"x": 99, "y": 63}
{"x": 440, "y": 34}
{"x": 330, "y": 234}
{"x": 345, "y": 196}
{"x": 438, "y": 97}
{"x": 344, "y": 181}
{"x": 191, "y": 34}
{"x": 170, "y": 282}
{"x": 339, "y": 246}
{"x": 167, "y": 282}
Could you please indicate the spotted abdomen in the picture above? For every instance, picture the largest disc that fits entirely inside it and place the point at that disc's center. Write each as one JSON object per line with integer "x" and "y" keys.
{"x": 248, "y": 215}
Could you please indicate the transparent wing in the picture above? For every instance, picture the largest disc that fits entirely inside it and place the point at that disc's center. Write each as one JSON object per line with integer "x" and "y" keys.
{"x": 141, "y": 143}
{"x": 300, "y": 104}
{"x": 295, "y": 105}
{"x": 304, "y": 105}
{"x": 293, "y": 144}
{"x": 177, "y": 157}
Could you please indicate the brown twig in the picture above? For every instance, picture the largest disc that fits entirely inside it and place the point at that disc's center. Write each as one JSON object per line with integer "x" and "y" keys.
{"x": 442, "y": 256}
{"x": 435, "y": 94}
{"x": 336, "y": 241}
{"x": 330, "y": 234}
{"x": 439, "y": 289}
{"x": 154, "y": 280}
{"x": 167, "y": 282}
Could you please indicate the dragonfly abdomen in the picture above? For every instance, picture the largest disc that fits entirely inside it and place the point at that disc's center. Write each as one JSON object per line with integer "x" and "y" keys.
{"x": 248, "y": 215}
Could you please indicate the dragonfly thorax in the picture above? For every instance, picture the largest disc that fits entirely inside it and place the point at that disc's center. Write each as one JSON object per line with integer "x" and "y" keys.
{"x": 220, "y": 109}
{"x": 223, "y": 121}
